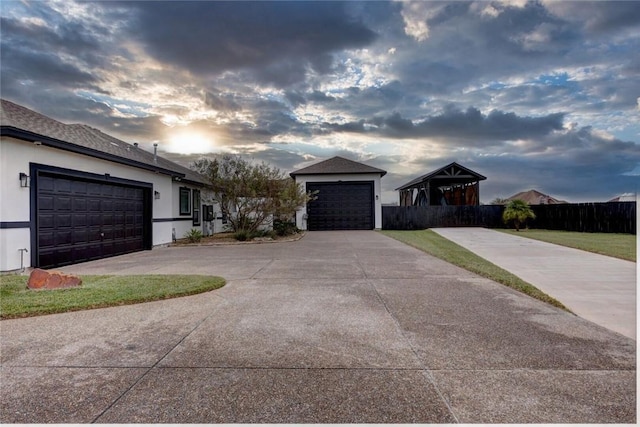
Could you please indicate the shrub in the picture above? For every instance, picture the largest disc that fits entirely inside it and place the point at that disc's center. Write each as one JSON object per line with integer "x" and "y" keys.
{"x": 242, "y": 235}
{"x": 194, "y": 235}
{"x": 285, "y": 228}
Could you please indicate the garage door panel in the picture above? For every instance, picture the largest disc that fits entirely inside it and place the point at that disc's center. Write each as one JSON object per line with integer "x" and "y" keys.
{"x": 62, "y": 220}
{"x": 45, "y": 183}
{"x": 45, "y": 203}
{"x": 46, "y": 239}
{"x": 79, "y": 187}
{"x": 93, "y": 205}
{"x": 79, "y": 204}
{"x": 62, "y": 186}
{"x": 46, "y": 221}
{"x": 80, "y": 236}
{"x": 95, "y": 220}
{"x": 62, "y": 203}
{"x": 341, "y": 206}
{"x": 80, "y": 220}
{"x": 94, "y": 188}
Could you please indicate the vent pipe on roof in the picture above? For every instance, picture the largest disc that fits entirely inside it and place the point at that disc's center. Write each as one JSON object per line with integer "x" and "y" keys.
{"x": 135, "y": 144}
{"x": 155, "y": 153}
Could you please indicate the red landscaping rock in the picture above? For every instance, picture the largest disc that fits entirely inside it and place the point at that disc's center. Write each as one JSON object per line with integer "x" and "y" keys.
{"x": 41, "y": 279}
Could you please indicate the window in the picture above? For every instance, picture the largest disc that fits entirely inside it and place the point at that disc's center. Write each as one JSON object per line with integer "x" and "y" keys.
{"x": 185, "y": 201}
{"x": 196, "y": 207}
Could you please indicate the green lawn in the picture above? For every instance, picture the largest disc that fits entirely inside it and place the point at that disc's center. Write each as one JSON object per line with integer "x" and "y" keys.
{"x": 96, "y": 292}
{"x": 436, "y": 245}
{"x": 615, "y": 245}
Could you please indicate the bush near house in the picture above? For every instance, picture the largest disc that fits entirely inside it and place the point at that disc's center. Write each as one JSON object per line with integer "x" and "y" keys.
{"x": 251, "y": 195}
{"x": 193, "y": 236}
{"x": 285, "y": 228}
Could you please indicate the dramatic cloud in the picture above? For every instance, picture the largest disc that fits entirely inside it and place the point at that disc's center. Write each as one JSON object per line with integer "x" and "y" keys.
{"x": 276, "y": 41}
{"x": 532, "y": 94}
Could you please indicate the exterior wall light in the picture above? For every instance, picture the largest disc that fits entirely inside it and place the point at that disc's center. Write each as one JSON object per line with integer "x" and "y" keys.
{"x": 156, "y": 195}
{"x": 24, "y": 180}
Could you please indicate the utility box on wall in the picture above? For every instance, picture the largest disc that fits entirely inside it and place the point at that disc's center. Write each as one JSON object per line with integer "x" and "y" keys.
{"x": 208, "y": 213}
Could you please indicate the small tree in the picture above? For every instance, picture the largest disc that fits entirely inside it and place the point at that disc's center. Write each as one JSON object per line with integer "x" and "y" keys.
{"x": 499, "y": 201}
{"x": 517, "y": 211}
{"x": 249, "y": 194}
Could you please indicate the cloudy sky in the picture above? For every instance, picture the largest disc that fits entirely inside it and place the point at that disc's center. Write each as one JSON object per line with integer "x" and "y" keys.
{"x": 542, "y": 95}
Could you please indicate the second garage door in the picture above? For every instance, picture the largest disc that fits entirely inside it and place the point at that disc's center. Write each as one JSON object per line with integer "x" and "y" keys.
{"x": 341, "y": 206}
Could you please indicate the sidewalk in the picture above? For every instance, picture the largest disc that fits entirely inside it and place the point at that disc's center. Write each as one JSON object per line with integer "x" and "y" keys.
{"x": 598, "y": 288}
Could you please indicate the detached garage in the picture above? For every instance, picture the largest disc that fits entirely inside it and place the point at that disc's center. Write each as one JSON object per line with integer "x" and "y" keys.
{"x": 347, "y": 196}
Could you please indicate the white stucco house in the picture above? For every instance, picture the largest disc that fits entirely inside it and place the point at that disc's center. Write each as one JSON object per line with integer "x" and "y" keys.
{"x": 71, "y": 193}
{"x": 347, "y": 196}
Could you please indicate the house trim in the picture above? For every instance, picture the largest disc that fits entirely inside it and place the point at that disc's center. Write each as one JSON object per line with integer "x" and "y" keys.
{"x": 15, "y": 224}
{"x": 172, "y": 219}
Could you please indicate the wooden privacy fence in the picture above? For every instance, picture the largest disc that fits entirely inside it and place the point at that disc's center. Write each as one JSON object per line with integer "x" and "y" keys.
{"x": 619, "y": 217}
{"x": 421, "y": 217}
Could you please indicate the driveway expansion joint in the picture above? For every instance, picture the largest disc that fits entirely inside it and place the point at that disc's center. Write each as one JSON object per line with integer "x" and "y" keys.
{"x": 425, "y": 370}
{"x": 147, "y": 371}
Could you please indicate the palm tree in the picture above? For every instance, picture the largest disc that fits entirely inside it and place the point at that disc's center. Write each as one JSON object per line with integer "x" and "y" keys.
{"x": 517, "y": 211}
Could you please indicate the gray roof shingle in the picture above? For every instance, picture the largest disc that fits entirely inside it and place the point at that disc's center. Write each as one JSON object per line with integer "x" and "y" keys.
{"x": 337, "y": 165}
{"x": 88, "y": 140}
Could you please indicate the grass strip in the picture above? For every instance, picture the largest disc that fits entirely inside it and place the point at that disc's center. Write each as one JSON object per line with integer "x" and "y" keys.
{"x": 98, "y": 292}
{"x": 615, "y": 245}
{"x": 436, "y": 245}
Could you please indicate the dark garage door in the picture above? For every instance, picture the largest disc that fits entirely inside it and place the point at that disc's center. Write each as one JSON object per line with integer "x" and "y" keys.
{"x": 81, "y": 220}
{"x": 341, "y": 206}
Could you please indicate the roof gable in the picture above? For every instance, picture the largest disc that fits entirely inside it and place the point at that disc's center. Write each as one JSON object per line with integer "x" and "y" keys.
{"x": 453, "y": 171}
{"x": 338, "y": 165}
{"x": 23, "y": 123}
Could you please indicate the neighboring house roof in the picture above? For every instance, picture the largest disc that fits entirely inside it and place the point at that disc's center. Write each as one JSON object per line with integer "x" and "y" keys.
{"x": 534, "y": 197}
{"x": 22, "y": 123}
{"x": 452, "y": 173}
{"x": 338, "y": 165}
{"x": 626, "y": 197}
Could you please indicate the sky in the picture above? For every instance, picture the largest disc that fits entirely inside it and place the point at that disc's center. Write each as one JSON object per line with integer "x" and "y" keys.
{"x": 533, "y": 95}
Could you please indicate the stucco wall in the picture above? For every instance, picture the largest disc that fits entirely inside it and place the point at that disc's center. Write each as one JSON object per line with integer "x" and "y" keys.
{"x": 303, "y": 179}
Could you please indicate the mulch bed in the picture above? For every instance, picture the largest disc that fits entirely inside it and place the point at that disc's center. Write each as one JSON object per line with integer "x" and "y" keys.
{"x": 228, "y": 239}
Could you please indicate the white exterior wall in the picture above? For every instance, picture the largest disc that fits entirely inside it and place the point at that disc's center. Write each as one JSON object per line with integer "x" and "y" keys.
{"x": 16, "y": 156}
{"x": 301, "y": 214}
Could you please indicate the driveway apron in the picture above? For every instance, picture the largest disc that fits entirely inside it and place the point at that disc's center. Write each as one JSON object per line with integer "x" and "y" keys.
{"x": 340, "y": 327}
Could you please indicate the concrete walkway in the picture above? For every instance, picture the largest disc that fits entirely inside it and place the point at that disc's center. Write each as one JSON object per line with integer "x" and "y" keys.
{"x": 598, "y": 288}
{"x": 339, "y": 327}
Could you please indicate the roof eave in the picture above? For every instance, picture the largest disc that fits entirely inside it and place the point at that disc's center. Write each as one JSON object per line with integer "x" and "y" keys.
{"x": 28, "y": 136}
{"x": 381, "y": 173}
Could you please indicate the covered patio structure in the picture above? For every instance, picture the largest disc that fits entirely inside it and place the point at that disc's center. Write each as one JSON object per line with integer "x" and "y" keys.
{"x": 452, "y": 185}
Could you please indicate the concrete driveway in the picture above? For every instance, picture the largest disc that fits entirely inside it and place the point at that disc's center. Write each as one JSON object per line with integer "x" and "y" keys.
{"x": 343, "y": 327}
{"x": 598, "y": 288}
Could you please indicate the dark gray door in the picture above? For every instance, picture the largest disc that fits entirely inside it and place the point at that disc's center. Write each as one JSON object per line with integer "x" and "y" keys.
{"x": 81, "y": 220}
{"x": 341, "y": 206}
